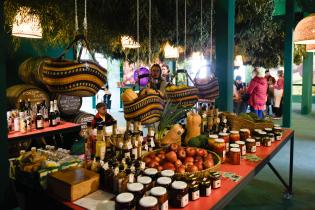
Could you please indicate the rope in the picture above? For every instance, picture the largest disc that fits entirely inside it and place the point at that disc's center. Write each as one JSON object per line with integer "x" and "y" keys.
{"x": 176, "y": 23}
{"x": 149, "y": 31}
{"x": 211, "y": 31}
{"x": 138, "y": 32}
{"x": 85, "y": 19}
{"x": 76, "y": 25}
{"x": 201, "y": 25}
{"x": 185, "y": 38}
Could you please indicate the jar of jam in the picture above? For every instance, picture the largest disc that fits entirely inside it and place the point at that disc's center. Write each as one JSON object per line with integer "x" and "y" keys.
{"x": 265, "y": 140}
{"x": 148, "y": 203}
{"x": 147, "y": 183}
{"x": 205, "y": 187}
{"x": 193, "y": 189}
{"x": 137, "y": 189}
{"x": 179, "y": 194}
{"x": 164, "y": 182}
{"x": 244, "y": 134}
{"x": 242, "y": 147}
{"x": 250, "y": 145}
{"x": 125, "y": 201}
{"x": 215, "y": 178}
{"x": 235, "y": 156}
{"x": 256, "y": 132}
{"x": 211, "y": 140}
{"x": 168, "y": 173}
{"x": 271, "y": 137}
{"x": 152, "y": 173}
{"x": 225, "y": 137}
{"x": 257, "y": 138}
{"x": 219, "y": 148}
{"x": 278, "y": 133}
{"x": 268, "y": 130}
{"x": 234, "y": 136}
{"x": 161, "y": 194}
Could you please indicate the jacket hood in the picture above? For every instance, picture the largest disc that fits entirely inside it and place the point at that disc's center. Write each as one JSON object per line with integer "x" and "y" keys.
{"x": 260, "y": 80}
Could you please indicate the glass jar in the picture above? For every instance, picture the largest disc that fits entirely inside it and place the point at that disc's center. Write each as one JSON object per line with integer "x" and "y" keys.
{"x": 250, "y": 146}
{"x": 242, "y": 147}
{"x": 148, "y": 203}
{"x": 161, "y": 194}
{"x": 234, "y": 136}
{"x": 235, "y": 156}
{"x": 193, "y": 189}
{"x": 271, "y": 137}
{"x": 179, "y": 194}
{"x": 152, "y": 173}
{"x": 234, "y": 145}
{"x": 137, "y": 189}
{"x": 215, "y": 178}
{"x": 205, "y": 187}
{"x": 265, "y": 140}
{"x": 244, "y": 134}
{"x": 147, "y": 183}
{"x": 219, "y": 148}
{"x": 211, "y": 140}
{"x": 164, "y": 182}
{"x": 258, "y": 139}
{"x": 225, "y": 137}
{"x": 125, "y": 201}
{"x": 168, "y": 173}
{"x": 256, "y": 132}
{"x": 278, "y": 133}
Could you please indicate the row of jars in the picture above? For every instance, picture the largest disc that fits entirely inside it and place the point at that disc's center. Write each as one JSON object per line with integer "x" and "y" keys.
{"x": 152, "y": 193}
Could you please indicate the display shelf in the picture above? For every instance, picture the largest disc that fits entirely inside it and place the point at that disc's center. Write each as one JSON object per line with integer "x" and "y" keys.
{"x": 64, "y": 127}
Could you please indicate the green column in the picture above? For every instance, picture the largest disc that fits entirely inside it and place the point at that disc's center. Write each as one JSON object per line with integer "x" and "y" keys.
{"x": 224, "y": 17}
{"x": 288, "y": 62}
{"x": 306, "y": 105}
{"x": 4, "y": 167}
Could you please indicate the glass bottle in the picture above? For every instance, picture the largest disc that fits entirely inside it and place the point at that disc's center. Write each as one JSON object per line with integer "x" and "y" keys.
{"x": 99, "y": 141}
{"x": 44, "y": 110}
{"x": 57, "y": 113}
{"x": 118, "y": 180}
{"x": 52, "y": 115}
{"x": 39, "y": 120}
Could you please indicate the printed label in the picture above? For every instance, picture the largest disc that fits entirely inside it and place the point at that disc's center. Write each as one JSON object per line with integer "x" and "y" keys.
{"x": 116, "y": 171}
{"x": 102, "y": 153}
{"x": 224, "y": 130}
{"x": 279, "y": 138}
{"x": 243, "y": 150}
{"x": 105, "y": 166}
{"x": 132, "y": 168}
{"x": 208, "y": 191}
{"x": 223, "y": 155}
{"x": 217, "y": 184}
{"x": 227, "y": 146}
{"x": 164, "y": 206}
{"x": 268, "y": 143}
{"x": 146, "y": 148}
{"x": 40, "y": 123}
{"x": 129, "y": 145}
{"x": 134, "y": 151}
{"x": 131, "y": 178}
{"x": 184, "y": 200}
{"x": 257, "y": 143}
{"x": 54, "y": 122}
{"x": 272, "y": 139}
{"x": 253, "y": 149}
{"x": 127, "y": 155}
{"x": 120, "y": 145}
{"x": 142, "y": 165}
{"x": 152, "y": 143}
{"x": 195, "y": 195}
{"x": 136, "y": 143}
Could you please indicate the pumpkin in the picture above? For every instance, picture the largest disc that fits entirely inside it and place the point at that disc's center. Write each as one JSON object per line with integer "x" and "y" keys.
{"x": 193, "y": 126}
{"x": 129, "y": 96}
{"x": 173, "y": 135}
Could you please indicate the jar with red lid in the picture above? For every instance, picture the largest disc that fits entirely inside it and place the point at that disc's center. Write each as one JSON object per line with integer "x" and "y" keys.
{"x": 137, "y": 189}
{"x": 219, "y": 148}
{"x": 148, "y": 203}
{"x": 235, "y": 156}
{"x": 225, "y": 137}
{"x": 125, "y": 201}
{"x": 161, "y": 194}
{"x": 244, "y": 134}
{"x": 234, "y": 136}
{"x": 179, "y": 194}
{"x": 164, "y": 182}
{"x": 250, "y": 145}
{"x": 242, "y": 147}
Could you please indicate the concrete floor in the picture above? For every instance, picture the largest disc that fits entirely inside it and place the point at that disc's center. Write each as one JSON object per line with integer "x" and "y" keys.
{"x": 265, "y": 191}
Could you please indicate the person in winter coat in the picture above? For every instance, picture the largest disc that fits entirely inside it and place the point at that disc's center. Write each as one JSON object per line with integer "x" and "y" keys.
{"x": 257, "y": 91}
{"x": 278, "y": 94}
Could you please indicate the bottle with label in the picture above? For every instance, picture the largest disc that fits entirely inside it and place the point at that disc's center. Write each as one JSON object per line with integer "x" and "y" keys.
{"x": 23, "y": 122}
{"x": 134, "y": 142}
{"x": 57, "y": 113}
{"x": 99, "y": 141}
{"x": 52, "y": 115}
{"x": 22, "y": 106}
{"x": 45, "y": 110}
{"x": 118, "y": 180}
{"x": 127, "y": 147}
{"x": 39, "y": 120}
{"x": 87, "y": 142}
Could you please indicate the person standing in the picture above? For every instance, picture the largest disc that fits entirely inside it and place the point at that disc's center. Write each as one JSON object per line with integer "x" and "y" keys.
{"x": 270, "y": 96}
{"x": 157, "y": 82}
{"x": 240, "y": 102}
{"x": 257, "y": 91}
{"x": 102, "y": 117}
{"x": 278, "y": 93}
{"x": 165, "y": 72}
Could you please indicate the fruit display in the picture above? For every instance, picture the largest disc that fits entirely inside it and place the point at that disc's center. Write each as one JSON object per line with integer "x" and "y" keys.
{"x": 183, "y": 160}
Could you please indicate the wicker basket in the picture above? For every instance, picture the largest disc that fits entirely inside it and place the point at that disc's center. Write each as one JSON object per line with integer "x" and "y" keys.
{"x": 237, "y": 123}
{"x": 208, "y": 89}
{"x": 200, "y": 174}
{"x": 186, "y": 97}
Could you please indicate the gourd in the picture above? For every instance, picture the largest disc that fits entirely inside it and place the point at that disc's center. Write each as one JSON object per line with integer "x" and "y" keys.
{"x": 173, "y": 135}
{"x": 193, "y": 126}
{"x": 129, "y": 96}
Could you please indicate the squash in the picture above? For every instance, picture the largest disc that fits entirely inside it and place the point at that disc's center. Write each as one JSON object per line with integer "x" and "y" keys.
{"x": 193, "y": 126}
{"x": 129, "y": 96}
{"x": 173, "y": 135}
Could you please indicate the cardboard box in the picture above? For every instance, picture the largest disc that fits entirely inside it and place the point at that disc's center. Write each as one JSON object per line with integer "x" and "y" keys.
{"x": 72, "y": 183}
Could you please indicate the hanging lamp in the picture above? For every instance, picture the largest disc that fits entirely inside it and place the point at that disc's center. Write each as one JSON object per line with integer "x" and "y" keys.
{"x": 310, "y": 48}
{"x": 129, "y": 42}
{"x": 238, "y": 61}
{"x": 170, "y": 51}
{"x": 304, "y": 32}
{"x": 26, "y": 25}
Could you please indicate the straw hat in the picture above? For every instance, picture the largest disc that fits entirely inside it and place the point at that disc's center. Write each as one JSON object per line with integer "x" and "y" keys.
{"x": 261, "y": 72}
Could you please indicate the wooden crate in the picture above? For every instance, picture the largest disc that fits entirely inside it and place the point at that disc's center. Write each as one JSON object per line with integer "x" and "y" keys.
{"x": 72, "y": 183}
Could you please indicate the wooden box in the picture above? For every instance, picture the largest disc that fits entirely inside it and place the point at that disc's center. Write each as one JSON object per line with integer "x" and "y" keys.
{"x": 72, "y": 183}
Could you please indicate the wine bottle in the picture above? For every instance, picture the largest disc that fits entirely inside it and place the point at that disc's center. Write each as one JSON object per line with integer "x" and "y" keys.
{"x": 44, "y": 110}
{"x": 52, "y": 116}
{"x": 57, "y": 113}
{"x": 39, "y": 120}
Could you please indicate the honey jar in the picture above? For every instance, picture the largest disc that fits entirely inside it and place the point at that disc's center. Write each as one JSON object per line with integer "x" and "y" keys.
{"x": 235, "y": 156}
{"x": 225, "y": 137}
{"x": 242, "y": 147}
{"x": 161, "y": 194}
{"x": 205, "y": 187}
{"x": 125, "y": 201}
{"x": 234, "y": 136}
{"x": 179, "y": 194}
{"x": 137, "y": 189}
{"x": 219, "y": 148}
{"x": 148, "y": 203}
{"x": 250, "y": 146}
{"x": 244, "y": 134}
{"x": 211, "y": 140}
{"x": 164, "y": 182}
{"x": 215, "y": 178}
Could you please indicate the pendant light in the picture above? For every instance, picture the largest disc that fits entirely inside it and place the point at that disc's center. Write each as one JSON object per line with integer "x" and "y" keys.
{"x": 172, "y": 52}
{"x": 304, "y": 32}
{"x": 238, "y": 61}
{"x": 26, "y": 24}
{"x": 310, "y": 48}
{"x": 129, "y": 42}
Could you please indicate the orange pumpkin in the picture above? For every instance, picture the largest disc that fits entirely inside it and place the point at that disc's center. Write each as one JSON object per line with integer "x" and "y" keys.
{"x": 193, "y": 126}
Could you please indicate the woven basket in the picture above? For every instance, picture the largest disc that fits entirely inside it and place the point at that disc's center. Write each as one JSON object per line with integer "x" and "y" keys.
{"x": 208, "y": 89}
{"x": 199, "y": 174}
{"x": 186, "y": 97}
{"x": 147, "y": 109}
{"x": 236, "y": 123}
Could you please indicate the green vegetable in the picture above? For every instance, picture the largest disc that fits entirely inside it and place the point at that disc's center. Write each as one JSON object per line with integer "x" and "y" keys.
{"x": 199, "y": 141}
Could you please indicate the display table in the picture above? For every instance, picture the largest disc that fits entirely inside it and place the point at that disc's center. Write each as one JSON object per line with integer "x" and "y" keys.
{"x": 247, "y": 170}
{"x": 64, "y": 127}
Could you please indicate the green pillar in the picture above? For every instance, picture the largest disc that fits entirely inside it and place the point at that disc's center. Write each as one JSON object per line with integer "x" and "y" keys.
{"x": 4, "y": 166}
{"x": 288, "y": 62}
{"x": 224, "y": 17}
{"x": 306, "y": 105}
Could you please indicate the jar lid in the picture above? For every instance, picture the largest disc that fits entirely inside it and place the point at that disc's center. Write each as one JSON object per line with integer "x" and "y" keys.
{"x": 257, "y": 130}
{"x": 135, "y": 187}
{"x": 219, "y": 140}
{"x": 276, "y": 125}
{"x": 278, "y": 128}
{"x": 234, "y": 145}
{"x": 235, "y": 149}
{"x": 234, "y": 132}
{"x": 250, "y": 140}
{"x": 148, "y": 201}
{"x": 271, "y": 134}
{"x": 223, "y": 134}
{"x": 158, "y": 191}
{"x": 179, "y": 185}
{"x": 164, "y": 180}
{"x": 167, "y": 173}
{"x": 215, "y": 175}
{"x": 144, "y": 180}
{"x": 124, "y": 197}
{"x": 268, "y": 129}
{"x": 213, "y": 136}
{"x": 150, "y": 171}
{"x": 262, "y": 133}
{"x": 244, "y": 130}
{"x": 240, "y": 142}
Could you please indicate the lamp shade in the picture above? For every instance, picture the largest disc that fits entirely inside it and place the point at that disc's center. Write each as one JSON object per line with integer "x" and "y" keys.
{"x": 310, "y": 47}
{"x": 26, "y": 24}
{"x": 170, "y": 51}
{"x": 129, "y": 42}
{"x": 304, "y": 32}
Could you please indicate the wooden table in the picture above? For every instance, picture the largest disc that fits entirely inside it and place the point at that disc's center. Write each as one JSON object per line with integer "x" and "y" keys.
{"x": 222, "y": 196}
